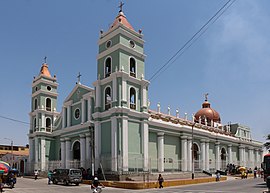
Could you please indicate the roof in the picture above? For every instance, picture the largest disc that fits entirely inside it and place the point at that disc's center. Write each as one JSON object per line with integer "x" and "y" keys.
{"x": 45, "y": 70}
{"x": 121, "y": 19}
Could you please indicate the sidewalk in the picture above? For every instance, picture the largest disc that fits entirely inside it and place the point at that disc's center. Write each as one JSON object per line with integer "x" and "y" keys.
{"x": 154, "y": 184}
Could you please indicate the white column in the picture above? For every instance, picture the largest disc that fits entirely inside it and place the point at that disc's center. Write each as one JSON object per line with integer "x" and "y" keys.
{"x": 114, "y": 91}
{"x": 244, "y": 157}
{"x": 217, "y": 144}
{"x": 124, "y": 90}
{"x": 68, "y": 149}
{"x": 63, "y": 153}
{"x": 144, "y": 97}
{"x": 257, "y": 159}
{"x": 36, "y": 151}
{"x": 189, "y": 154}
{"x": 184, "y": 153}
{"x": 145, "y": 141}
{"x": 43, "y": 120}
{"x": 31, "y": 152}
{"x": 241, "y": 155}
{"x": 250, "y": 161}
{"x": 114, "y": 143}
{"x": 230, "y": 154}
{"x": 69, "y": 116}
{"x": 82, "y": 150}
{"x": 63, "y": 117}
{"x": 207, "y": 168}
{"x": 83, "y": 111}
{"x": 87, "y": 150}
{"x": 125, "y": 143}
{"x": 42, "y": 154}
{"x": 89, "y": 109}
{"x": 98, "y": 95}
{"x": 203, "y": 160}
{"x": 97, "y": 144}
{"x": 161, "y": 152}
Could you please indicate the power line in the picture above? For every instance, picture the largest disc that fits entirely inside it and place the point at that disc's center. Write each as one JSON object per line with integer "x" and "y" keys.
{"x": 14, "y": 120}
{"x": 193, "y": 39}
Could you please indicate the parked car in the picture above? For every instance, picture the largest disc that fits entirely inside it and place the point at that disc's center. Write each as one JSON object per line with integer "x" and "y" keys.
{"x": 67, "y": 176}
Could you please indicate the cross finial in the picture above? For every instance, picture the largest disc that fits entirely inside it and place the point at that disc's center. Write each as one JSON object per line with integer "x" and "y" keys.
{"x": 206, "y": 96}
{"x": 79, "y": 77}
{"x": 121, "y": 6}
{"x": 45, "y": 59}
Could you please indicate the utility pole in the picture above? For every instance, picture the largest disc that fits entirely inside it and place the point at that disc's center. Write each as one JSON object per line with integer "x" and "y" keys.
{"x": 12, "y": 156}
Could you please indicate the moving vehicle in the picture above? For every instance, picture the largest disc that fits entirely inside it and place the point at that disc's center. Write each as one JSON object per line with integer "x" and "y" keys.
{"x": 67, "y": 176}
{"x": 266, "y": 166}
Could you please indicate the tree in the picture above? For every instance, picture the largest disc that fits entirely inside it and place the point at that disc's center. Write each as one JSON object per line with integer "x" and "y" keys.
{"x": 267, "y": 144}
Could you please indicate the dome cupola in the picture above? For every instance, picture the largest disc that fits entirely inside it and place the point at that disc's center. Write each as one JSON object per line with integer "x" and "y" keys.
{"x": 206, "y": 113}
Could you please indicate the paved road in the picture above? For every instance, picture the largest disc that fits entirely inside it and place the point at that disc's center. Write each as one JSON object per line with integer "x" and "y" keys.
{"x": 25, "y": 185}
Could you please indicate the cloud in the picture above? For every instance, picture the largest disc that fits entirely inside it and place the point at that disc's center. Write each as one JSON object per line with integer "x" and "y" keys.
{"x": 239, "y": 42}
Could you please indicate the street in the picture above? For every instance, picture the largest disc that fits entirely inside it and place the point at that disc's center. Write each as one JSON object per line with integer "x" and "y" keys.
{"x": 26, "y": 185}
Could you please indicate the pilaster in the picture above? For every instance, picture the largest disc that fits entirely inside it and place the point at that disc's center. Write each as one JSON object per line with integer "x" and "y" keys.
{"x": 82, "y": 149}
{"x": 114, "y": 143}
{"x": 203, "y": 160}
{"x": 160, "y": 152}
{"x": 217, "y": 154}
{"x": 68, "y": 149}
{"x": 184, "y": 152}
{"x": 145, "y": 139}
{"x": 125, "y": 143}
{"x": 63, "y": 153}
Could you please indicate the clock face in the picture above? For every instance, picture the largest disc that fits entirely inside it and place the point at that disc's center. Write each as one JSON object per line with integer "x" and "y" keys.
{"x": 77, "y": 114}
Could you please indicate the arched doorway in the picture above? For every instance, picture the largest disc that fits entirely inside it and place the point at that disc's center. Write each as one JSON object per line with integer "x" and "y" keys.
{"x": 22, "y": 167}
{"x": 196, "y": 156}
{"x": 76, "y": 151}
{"x": 223, "y": 159}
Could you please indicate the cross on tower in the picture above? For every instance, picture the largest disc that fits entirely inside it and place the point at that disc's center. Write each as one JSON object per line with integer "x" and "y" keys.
{"x": 79, "y": 77}
{"x": 121, "y": 6}
{"x": 206, "y": 96}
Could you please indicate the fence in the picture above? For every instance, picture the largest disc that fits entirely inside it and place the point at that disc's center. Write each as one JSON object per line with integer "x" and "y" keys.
{"x": 136, "y": 165}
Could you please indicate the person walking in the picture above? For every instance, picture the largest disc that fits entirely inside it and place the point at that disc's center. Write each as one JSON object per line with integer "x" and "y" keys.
{"x": 36, "y": 174}
{"x": 160, "y": 181}
{"x": 49, "y": 177}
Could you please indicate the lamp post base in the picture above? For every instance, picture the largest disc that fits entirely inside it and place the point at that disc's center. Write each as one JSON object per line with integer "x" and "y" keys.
{"x": 192, "y": 176}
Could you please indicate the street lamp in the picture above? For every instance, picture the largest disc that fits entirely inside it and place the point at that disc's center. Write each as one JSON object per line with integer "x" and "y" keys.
{"x": 92, "y": 144}
{"x": 12, "y": 157}
{"x": 192, "y": 150}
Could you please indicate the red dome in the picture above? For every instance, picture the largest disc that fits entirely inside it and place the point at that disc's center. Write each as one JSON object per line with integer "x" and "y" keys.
{"x": 208, "y": 113}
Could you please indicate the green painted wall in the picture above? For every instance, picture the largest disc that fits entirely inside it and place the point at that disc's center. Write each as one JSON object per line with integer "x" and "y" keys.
{"x": 153, "y": 150}
{"x": 134, "y": 138}
{"x": 171, "y": 152}
{"x": 106, "y": 138}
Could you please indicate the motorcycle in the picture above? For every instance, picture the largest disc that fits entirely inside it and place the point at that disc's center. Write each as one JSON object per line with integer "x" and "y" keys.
{"x": 1, "y": 187}
{"x": 97, "y": 189}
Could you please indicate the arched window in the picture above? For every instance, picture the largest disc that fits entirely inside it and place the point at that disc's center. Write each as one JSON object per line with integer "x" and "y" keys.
{"x": 196, "y": 156}
{"x": 223, "y": 158}
{"x": 108, "y": 98}
{"x": 108, "y": 67}
{"x": 48, "y": 104}
{"x": 35, "y": 123}
{"x": 132, "y": 65}
{"x": 35, "y": 104}
{"x": 48, "y": 124}
{"x": 132, "y": 99}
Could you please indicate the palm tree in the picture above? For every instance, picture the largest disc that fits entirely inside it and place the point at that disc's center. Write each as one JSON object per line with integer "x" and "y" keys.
{"x": 267, "y": 144}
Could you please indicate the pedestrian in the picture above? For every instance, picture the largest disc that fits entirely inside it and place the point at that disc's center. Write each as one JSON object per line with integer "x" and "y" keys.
{"x": 160, "y": 181}
{"x": 96, "y": 186}
{"x": 255, "y": 172}
{"x": 36, "y": 174}
{"x": 49, "y": 177}
{"x": 217, "y": 176}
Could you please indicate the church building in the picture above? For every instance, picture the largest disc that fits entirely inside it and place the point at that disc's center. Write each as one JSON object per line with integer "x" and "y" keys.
{"x": 110, "y": 126}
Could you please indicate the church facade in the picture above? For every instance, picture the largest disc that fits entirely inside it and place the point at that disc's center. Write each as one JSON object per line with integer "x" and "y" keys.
{"x": 110, "y": 126}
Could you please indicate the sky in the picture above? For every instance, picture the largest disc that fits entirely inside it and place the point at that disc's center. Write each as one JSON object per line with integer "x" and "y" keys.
{"x": 230, "y": 61}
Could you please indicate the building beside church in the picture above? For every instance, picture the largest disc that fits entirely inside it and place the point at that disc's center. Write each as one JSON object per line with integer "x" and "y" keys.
{"x": 110, "y": 126}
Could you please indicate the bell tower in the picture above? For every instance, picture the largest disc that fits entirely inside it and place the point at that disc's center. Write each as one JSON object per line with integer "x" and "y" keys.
{"x": 43, "y": 114}
{"x": 121, "y": 109}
